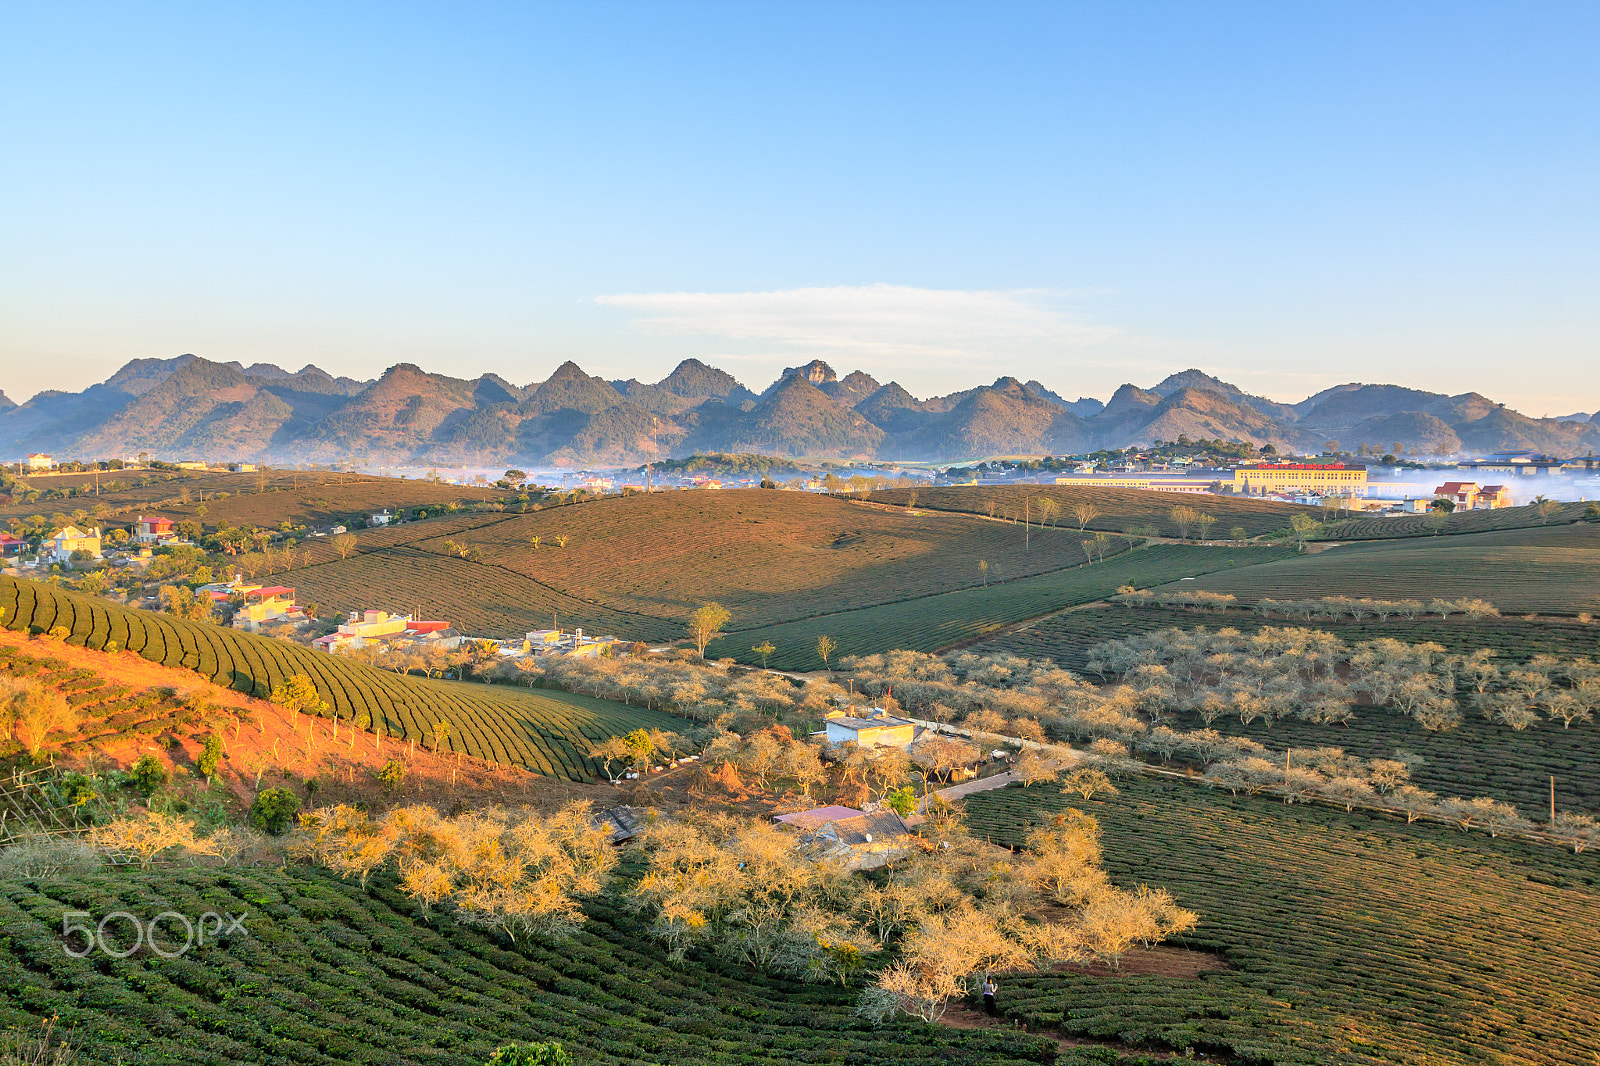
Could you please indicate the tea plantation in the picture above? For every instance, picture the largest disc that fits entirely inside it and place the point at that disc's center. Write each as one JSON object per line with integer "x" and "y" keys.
{"x": 1351, "y": 939}
{"x": 331, "y": 974}
{"x": 931, "y": 623}
{"x": 1553, "y": 570}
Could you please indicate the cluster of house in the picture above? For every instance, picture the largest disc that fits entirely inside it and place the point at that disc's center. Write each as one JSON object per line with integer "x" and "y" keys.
{"x": 388, "y": 631}
{"x": 1471, "y": 496}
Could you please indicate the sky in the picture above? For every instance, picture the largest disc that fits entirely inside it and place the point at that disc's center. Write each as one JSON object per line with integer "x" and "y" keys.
{"x": 1289, "y": 196}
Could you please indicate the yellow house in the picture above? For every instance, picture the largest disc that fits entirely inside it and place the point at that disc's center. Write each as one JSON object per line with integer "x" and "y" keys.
{"x": 270, "y": 604}
{"x": 40, "y": 461}
{"x": 1330, "y": 479}
{"x": 874, "y": 731}
{"x": 72, "y": 539}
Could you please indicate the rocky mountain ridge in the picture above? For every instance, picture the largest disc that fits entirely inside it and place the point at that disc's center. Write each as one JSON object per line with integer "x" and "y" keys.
{"x": 192, "y": 407}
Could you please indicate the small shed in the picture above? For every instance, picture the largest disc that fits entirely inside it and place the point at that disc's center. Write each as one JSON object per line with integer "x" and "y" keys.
{"x": 864, "y": 842}
{"x": 622, "y": 823}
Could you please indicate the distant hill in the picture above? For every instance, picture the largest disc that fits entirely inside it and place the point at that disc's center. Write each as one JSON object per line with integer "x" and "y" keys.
{"x": 190, "y": 407}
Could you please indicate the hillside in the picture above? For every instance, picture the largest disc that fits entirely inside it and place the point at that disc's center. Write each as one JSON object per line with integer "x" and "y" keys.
{"x": 187, "y": 406}
{"x": 637, "y": 566}
{"x": 548, "y": 733}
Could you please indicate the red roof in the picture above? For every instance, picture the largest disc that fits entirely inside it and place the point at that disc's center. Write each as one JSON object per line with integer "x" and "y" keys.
{"x": 427, "y": 627}
{"x": 7, "y": 538}
{"x": 271, "y": 590}
{"x": 156, "y": 521}
{"x": 1304, "y": 466}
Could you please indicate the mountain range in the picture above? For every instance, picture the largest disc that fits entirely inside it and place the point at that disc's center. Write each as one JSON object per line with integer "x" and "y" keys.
{"x": 189, "y": 407}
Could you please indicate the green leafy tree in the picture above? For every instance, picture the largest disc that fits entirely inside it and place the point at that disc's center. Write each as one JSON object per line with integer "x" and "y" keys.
{"x": 210, "y": 757}
{"x": 765, "y": 650}
{"x": 274, "y": 810}
{"x": 182, "y": 603}
{"x": 299, "y": 693}
{"x": 148, "y": 775}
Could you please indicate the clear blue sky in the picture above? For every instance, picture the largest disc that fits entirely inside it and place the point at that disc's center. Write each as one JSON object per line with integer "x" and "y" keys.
{"x": 1290, "y": 195}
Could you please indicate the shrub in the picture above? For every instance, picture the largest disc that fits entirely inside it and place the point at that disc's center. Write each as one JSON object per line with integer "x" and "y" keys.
{"x": 550, "y": 1054}
{"x": 148, "y": 774}
{"x": 391, "y": 774}
{"x": 273, "y": 810}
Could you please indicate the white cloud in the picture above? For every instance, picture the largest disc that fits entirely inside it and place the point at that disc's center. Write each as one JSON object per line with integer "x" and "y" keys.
{"x": 887, "y": 326}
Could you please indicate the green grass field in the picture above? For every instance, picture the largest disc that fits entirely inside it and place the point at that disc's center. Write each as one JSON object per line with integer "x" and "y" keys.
{"x": 546, "y": 731}
{"x": 1549, "y": 570}
{"x": 935, "y": 622}
{"x": 1350, "y": 939}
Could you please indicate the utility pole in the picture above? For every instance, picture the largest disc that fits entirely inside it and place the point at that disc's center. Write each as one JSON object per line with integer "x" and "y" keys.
{"x": 1552, "y": 799}
{"x": 1027, "y": 529}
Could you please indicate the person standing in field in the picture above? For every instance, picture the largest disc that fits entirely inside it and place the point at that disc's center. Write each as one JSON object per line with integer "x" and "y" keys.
{"x": 989, "y": 991}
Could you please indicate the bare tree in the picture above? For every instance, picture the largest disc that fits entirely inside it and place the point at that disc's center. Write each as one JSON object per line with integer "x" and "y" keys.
{"x": 1085, "y": 512}
{"x": 826, "y": 646}
{"x": 344, "y": 544}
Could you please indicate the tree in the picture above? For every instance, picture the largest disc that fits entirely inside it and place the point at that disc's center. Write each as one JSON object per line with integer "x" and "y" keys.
{"x": 274, "y": 810}
{"x": 1204, "y": 522}
{"x": 1184, "y": 518}
{"x": 1546, "y": 509}
{"x": 826, "y": 646}
{"x": 983, "y": 569}
{"x": 1239, "y": 533}
{"x": 765, "y": 650}
{"x": 1302, "y": 525}
{"x": 344, "y": 544}
{"x": 439, "y": 733}
{"x": 147, "y": 835}
{"x": 705, "y": 625}
{"x": 1085, "y": 512}
{"x": 38, "y": 712}
{"x": 298, "y": 693}
{"x": 1443, "y": 505}
{"x": 1049, "y": 510}
{"x": 210, "y": 757}
{"x": 184, "y": 603}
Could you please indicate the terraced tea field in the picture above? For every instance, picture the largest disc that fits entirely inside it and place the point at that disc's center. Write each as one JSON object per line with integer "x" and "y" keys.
{"x": 1351, "y": 939}
{"x": 547, "y": 731}
{"x": 1526, "y": 517}
{"x": 331, "y": 974}
{"x": 767, "y": 556}
{"x": 320, "y": 498}
{"x": 935, "y": 622}
{"x": 1549, "y": 570}
{"x": 1119, "y": 508}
